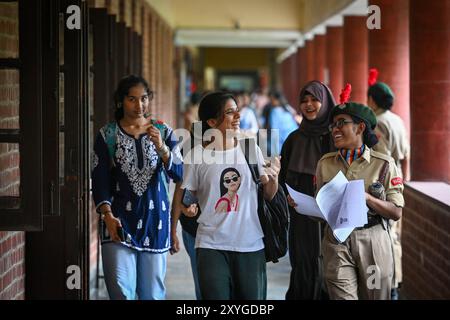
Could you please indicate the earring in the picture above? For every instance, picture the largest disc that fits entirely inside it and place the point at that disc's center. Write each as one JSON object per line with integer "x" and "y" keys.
{"x": 119, "y": 105}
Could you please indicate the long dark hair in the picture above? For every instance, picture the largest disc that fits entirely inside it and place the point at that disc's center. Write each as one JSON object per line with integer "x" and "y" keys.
{"x": 123, "y": 89}
{"x": 224, "y": 190}
{"x": 212, "y": 106}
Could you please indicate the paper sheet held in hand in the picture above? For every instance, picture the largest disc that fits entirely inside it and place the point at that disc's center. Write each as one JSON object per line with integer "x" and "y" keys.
{"x": 341, "y": 203}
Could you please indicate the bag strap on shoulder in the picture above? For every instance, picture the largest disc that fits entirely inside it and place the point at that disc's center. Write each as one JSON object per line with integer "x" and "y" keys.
{"x": 246, "y": 146}
{"x": 110, "y": 133}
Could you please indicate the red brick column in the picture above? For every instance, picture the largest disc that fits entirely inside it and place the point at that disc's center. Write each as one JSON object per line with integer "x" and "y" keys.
{"x": 389, "y": 51}
{"x": 289, "y": 79}
{"x": 430, "y": 89}
{"x": 293, "y": 80}
{"x": 310, "y": 60}
{"x": 335, "y": 60}
{"x": 356, "y": 57}
{"x": 320, "y": 57}
{"x": 301, "y": 68}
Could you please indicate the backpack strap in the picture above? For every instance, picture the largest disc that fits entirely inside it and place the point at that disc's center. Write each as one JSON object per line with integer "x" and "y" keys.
{"x": 109, "y": 133}
{"x": 247, "y": 145}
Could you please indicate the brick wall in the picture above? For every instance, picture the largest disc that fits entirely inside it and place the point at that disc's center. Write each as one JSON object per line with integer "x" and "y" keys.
{"x": 157, "y": 51}
{"x": 9, "y": 31}
{"x": 12, "y": 244}
{"x": 426, "y": 247}
{"x": 12, "y": 265}
{"x": 158, "y": 54}
{"x": 146, "y": 50}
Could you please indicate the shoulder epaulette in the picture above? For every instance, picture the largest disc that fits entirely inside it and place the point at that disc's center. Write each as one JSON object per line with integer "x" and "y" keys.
{"x": 329, "y": 155}
{"x": 381, "y": 156}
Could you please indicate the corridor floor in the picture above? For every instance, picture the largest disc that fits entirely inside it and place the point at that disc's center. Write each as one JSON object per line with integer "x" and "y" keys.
{"x": 180, "y": 285}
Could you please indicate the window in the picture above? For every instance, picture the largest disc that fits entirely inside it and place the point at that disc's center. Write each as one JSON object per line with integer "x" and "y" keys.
{"x": 20, "y": 114}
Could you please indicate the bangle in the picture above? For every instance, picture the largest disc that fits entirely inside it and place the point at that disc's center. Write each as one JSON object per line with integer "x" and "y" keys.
{"x": 163, "y": 150}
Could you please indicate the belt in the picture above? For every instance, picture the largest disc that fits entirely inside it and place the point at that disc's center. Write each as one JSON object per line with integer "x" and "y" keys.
{"x": 372, "y": 220}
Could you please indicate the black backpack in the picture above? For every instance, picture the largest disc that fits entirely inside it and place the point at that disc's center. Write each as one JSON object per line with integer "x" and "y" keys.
{"x": 273, "y": 215}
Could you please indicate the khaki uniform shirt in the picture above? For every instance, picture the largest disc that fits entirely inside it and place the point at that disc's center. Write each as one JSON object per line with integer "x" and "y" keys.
{"x": 391, "y": 133}
{"x": 368, "y": 167}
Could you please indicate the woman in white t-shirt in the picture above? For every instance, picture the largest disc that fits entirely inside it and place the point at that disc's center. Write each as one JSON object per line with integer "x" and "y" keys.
{"x": 229, "y": 243}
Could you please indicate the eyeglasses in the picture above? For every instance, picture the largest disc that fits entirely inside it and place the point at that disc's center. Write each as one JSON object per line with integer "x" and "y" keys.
{"x": 340, "y": 123}
{"x": 228, "y": 181}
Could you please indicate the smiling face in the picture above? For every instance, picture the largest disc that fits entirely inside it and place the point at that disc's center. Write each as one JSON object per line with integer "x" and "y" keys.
{"x": 135, "y": 104}
{"x": 310, "y": 107}
{"x": 230, "y": 119}
{"x": 346, "y": 134}
{"x": 231, "y": 181}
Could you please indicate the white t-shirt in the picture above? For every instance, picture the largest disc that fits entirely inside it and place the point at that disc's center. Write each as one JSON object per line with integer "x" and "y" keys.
{"x": 227, "y": 197}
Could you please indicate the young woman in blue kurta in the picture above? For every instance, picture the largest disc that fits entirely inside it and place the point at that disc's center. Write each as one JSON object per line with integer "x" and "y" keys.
{"x": 133, "y": 160}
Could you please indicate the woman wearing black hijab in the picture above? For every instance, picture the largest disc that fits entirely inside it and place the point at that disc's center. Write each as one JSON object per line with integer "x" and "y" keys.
{"x": 299, "y": 156}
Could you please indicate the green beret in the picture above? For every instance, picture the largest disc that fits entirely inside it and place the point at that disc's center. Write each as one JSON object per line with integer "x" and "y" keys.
{"x": 355, "y": 109}
{"x": 382, "y": 95}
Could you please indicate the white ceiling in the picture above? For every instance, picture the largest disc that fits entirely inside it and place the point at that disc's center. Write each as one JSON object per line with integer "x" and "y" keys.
{"x": 253, "y": 23}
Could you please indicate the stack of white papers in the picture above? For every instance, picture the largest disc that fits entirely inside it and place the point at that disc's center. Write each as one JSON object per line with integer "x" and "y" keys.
{"x": 342, "y": 204}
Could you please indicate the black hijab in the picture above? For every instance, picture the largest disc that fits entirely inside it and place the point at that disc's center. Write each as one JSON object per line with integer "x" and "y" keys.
{"x": 308, "y": 147}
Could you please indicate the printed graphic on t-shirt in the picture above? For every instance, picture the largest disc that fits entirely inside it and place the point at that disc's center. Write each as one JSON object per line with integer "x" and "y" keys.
{"x": 230, "y": 181}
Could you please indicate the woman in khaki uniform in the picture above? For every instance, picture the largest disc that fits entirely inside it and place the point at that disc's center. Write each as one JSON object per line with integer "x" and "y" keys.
{"x": 362, "y": 266}
{"x": 393, "y": 142}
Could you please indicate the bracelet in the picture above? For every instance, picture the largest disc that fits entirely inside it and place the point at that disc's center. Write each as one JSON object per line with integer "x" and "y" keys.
{"x": 163, "y": 150}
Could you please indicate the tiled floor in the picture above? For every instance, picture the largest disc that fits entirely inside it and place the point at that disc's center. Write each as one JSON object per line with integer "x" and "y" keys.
{"x": 180, "y": 285}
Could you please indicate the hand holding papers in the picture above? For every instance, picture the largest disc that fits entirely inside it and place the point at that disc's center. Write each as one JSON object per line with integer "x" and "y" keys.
{"x": 342, "y": 204}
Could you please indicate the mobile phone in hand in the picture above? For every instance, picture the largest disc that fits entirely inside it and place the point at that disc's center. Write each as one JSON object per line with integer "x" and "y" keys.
{"x": 121, "y": 233}
{"x": 188, "y": 198}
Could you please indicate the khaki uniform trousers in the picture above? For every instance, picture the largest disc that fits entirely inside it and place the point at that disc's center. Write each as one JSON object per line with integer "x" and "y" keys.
{"x": 396, "y": 229}
{"x": 361, "y": 267}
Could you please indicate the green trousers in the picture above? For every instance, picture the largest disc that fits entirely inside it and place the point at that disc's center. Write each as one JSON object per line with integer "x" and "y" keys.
{"x": 229, "y": 275}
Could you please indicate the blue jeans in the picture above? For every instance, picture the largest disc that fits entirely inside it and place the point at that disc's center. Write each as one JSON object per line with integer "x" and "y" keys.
{"x": 189, "y": 244}
{"x": 129, "y": 272}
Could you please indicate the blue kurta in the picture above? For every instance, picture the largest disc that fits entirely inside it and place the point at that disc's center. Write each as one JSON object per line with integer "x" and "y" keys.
{"x": 135, "y": 184}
